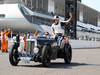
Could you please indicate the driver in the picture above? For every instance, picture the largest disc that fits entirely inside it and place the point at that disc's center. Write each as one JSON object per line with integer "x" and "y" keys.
{"x": 56, "y": 26}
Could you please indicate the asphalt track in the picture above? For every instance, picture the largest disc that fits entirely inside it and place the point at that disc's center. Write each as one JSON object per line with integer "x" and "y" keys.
{"x": 84, "y": 62}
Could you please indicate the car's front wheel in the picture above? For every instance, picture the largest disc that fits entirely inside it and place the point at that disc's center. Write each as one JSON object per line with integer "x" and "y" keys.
{"x": 45, "y": 56}
{"x": 13, "y": 55}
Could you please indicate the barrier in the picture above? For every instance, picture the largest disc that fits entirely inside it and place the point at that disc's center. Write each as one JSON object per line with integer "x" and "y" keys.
{"x": 84, "y": 44}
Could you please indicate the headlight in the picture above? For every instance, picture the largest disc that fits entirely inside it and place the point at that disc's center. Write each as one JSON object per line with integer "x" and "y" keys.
{"x": 36, "y": 50}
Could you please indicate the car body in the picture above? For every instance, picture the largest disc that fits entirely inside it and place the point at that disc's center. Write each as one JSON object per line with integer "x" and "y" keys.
{"x": 42, "y": 49}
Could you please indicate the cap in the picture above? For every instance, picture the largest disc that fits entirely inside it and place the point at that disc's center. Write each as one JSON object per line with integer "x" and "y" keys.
{"x": 56, "y": 16}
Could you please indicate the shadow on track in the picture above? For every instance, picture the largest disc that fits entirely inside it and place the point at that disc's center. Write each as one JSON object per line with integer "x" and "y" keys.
{"x": 59, "y": 65}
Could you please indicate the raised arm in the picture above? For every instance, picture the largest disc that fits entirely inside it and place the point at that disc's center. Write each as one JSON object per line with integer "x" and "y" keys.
{"x": 70, "y": 18}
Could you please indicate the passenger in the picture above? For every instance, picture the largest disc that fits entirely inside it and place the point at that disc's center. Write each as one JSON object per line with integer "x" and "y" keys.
{"x": 47, "y": 35}
{"x": 57, "y": 29}
{"x": 56, "y": 26}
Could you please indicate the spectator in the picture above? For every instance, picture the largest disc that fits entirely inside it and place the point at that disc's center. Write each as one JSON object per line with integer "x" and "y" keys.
{"x": 2, "y": 40}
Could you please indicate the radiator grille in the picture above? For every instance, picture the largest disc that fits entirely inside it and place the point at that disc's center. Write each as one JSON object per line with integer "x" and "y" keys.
{"x": 30, "y": 47}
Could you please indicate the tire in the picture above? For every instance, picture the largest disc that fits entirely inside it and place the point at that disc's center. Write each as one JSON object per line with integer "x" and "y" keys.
{"x": 67, "y": 53}
{"x": 45, "y": 55}
{"x": 13, "y": 55}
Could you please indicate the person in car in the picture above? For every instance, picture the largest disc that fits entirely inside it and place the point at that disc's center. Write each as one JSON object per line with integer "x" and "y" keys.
{"x": 56, "y": 26}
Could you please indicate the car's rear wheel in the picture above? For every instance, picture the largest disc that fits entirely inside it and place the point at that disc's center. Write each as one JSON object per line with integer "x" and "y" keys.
{"x": 67, "y": 53}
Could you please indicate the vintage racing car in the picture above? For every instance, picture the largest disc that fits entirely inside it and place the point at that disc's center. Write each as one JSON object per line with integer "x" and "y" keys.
{"x": 42, "y": 49}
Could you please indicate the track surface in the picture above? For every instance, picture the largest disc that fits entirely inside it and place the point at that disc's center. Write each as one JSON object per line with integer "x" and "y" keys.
{"x": 84, "y": 62}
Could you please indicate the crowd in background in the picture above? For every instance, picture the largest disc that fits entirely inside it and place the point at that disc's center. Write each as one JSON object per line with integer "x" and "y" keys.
{"x": 7, "y": 39}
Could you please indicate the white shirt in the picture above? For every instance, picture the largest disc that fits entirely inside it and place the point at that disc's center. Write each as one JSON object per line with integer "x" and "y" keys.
{"x": 57, "y": 28}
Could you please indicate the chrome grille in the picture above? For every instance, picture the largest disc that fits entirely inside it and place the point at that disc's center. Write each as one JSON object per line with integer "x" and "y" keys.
{"x": 30, "y": 46}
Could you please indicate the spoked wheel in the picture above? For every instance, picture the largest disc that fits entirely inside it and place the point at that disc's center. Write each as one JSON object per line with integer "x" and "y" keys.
{"x": 13, "y": 55}
{"x": 45, "y": 56}
{"x": 67, "y": 54}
